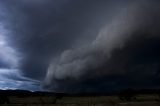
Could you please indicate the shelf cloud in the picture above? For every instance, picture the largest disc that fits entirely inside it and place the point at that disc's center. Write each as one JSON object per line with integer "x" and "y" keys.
{"x": 80, "y": 45}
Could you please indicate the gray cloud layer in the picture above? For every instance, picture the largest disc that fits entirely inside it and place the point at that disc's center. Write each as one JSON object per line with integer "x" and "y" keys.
{"x": 82, "y": 45}
{"x": 75, "y": 64}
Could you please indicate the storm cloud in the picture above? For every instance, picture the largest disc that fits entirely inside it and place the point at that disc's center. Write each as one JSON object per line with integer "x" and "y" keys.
{"x": 80, "y": 45}
{"x": 96, "y": 60}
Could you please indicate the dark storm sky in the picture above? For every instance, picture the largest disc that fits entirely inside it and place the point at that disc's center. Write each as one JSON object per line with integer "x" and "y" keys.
{"x": 79, "y": 45}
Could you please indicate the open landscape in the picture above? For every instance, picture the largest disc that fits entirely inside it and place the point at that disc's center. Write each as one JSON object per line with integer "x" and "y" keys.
{"x": 79, "y": 52}
{"x": 126, "y": 98}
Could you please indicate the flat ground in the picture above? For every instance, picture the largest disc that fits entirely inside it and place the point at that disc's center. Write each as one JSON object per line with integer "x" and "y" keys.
{"x": 138, "y": 100}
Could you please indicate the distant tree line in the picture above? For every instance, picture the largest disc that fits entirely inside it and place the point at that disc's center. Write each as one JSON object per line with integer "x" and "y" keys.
{"x": 130, "y": 94}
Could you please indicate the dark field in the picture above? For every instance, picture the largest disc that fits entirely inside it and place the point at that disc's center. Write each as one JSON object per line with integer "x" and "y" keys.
{"x": 127, "y": 98}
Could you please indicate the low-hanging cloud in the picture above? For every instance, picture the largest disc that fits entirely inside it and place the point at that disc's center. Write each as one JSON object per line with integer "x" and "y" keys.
{"x": 92, "y": 61}
{"x": 80, "y": 45}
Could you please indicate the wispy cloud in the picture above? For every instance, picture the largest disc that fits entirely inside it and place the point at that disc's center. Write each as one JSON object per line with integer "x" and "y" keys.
{"x": 12, "y": 79}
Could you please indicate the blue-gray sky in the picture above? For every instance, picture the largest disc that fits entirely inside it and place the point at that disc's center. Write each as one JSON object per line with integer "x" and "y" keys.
{"x": 79, "y": 45}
